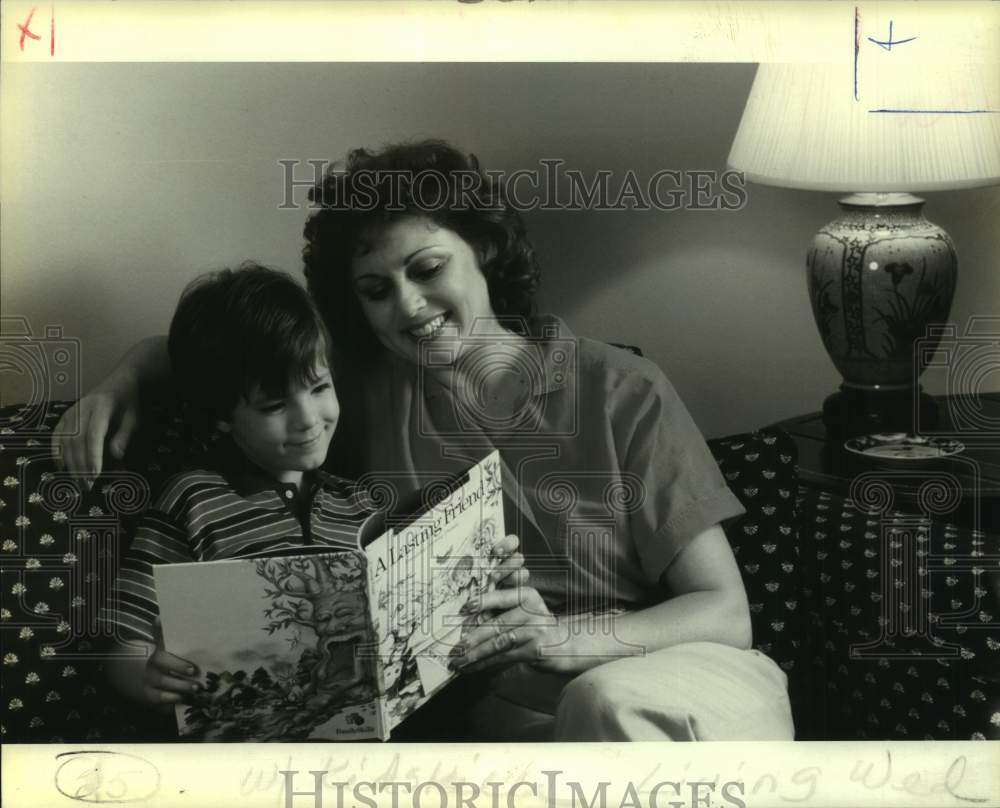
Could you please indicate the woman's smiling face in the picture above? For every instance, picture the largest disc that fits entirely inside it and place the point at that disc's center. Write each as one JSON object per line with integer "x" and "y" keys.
{"x": 420, "y": 282}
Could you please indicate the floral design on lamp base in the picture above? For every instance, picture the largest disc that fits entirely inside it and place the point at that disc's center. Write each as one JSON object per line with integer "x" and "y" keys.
{"x": 879, "y": 275}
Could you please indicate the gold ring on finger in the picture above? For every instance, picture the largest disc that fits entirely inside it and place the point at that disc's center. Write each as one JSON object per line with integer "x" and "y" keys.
{"x": 513, "y": 637}
{"x": 497, "y": 630}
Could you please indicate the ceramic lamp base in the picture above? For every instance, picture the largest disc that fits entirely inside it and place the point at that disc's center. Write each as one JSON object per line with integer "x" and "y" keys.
{"x": 854, "y": 411}
{"x": 881, "y": 278}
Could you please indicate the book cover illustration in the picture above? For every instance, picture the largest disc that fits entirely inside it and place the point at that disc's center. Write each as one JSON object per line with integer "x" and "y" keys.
{"x": 276, "y": 641}
{"x": 333, "y": 644}
{"x": 421, "y": 572}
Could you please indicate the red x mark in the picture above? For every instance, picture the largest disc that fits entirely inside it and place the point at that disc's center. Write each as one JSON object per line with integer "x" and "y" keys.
{"x": 27, "y": 32}
{"x": 26, "y": 29}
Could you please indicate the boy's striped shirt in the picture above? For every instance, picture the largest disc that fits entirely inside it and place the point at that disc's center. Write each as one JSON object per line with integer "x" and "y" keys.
{"x": 203, "y": 516}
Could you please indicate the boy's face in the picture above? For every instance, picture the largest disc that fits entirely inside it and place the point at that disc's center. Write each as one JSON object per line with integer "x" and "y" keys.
{"x": 289, "y": 435}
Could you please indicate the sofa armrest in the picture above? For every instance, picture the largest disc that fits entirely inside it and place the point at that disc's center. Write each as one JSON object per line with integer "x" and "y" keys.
{"x": 759, "y": 468}
{"x": 60, "y": 551}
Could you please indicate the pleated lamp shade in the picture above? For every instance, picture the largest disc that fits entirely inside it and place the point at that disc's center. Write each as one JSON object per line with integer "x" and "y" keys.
{"x": 907, "y": 127}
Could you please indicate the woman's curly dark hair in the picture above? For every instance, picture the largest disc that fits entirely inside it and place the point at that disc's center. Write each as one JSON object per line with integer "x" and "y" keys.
{"x": 428, "y": 178}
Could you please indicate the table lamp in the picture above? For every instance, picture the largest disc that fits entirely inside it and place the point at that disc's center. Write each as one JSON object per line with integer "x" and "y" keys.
{"x": 880, "y": 274}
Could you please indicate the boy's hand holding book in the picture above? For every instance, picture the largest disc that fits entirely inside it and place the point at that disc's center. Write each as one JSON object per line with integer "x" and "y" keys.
{"x": 169, "y": 680}
{"x": 164, "y": 681}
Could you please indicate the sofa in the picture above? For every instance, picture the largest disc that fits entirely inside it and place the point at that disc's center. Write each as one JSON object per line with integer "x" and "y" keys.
{"x": 810, "y": 597}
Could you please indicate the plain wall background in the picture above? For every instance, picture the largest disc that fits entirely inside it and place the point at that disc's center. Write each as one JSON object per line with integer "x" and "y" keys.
{"x": 122, "y": 181}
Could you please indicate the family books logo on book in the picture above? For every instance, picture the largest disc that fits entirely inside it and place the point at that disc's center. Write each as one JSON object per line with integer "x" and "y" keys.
{"x": 336, "y": 644}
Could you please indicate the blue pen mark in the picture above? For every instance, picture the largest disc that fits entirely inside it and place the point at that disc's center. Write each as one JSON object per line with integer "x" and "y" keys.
{"x": 888, "y": 43}
{"x": 940, "y": 111}
{"x": 857, "y": 48}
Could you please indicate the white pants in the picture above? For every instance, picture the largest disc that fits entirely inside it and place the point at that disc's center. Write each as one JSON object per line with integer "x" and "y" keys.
{"x": 696, "y": 691}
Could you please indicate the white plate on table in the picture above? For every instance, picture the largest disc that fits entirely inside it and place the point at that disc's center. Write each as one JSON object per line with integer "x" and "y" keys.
{"x": 900, "y": 446}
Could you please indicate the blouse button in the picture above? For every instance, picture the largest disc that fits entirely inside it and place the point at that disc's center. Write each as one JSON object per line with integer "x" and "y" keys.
{"x": 289, "y": 494}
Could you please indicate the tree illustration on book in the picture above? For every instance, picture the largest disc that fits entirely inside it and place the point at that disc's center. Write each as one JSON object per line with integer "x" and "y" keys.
{"x": 326, "y": 597}
{"x": 322, "y": 599}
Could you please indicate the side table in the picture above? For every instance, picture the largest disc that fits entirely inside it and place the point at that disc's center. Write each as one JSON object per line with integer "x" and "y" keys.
{"x": 964, "y": 490}
{"x": 901, "y": 576}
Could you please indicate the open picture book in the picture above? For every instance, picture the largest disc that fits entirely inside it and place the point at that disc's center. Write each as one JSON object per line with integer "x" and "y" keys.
{"x": 331, "y": 644}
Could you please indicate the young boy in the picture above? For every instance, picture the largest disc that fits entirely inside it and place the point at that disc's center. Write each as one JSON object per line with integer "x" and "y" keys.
{"x": 249, "y": 352}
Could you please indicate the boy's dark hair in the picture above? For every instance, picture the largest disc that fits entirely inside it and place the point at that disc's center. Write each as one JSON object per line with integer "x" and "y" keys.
{"x": 428, "y": 178}
{"x": 235, "y": 330}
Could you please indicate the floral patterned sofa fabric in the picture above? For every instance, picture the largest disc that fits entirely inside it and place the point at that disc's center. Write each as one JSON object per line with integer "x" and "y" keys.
{"x": 59, "y": 550}
{"x": 903, "y": 616}
{"x": 760, "y": 469}
{"x": 59, "y": 553}
{"x": 811, "y": 562}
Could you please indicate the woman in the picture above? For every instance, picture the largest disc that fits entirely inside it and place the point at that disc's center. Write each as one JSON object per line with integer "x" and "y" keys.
{"x": 636, "y": 625}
